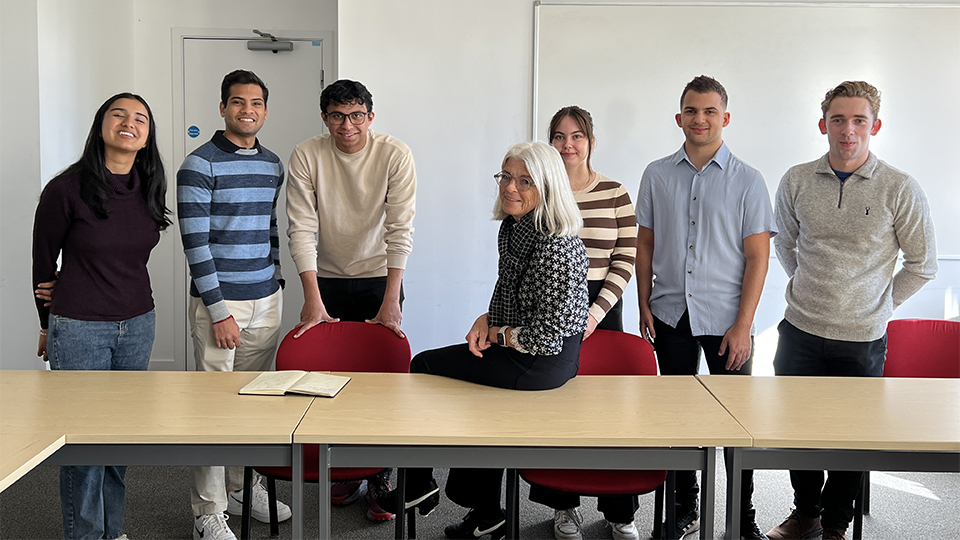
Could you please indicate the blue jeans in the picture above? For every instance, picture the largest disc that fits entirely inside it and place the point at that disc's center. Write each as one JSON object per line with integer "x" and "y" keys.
{"x": 92, "y": 498}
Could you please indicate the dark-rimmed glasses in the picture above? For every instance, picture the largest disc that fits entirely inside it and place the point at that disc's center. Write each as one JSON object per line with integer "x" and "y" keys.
{"x": 356, "y": 118}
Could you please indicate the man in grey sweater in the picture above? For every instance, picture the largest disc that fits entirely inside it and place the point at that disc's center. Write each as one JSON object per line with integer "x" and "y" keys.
{"x": 843, "y": 221}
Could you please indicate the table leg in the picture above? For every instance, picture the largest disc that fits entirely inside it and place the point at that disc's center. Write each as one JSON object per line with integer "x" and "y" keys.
{"x": 401, "y": 506}
{"x": 297, "y": 462}
{"x": 513, "y": 505}
{"x": 734, "y": 466}
{"x": 324, "y": 487}
{"x": 708, "y": 477}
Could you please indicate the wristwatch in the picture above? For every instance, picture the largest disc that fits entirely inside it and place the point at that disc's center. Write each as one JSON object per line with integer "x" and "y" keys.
{"x": 502, "y": 336}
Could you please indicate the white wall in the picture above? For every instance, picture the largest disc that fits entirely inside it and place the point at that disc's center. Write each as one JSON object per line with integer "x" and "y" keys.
{"x": 19, "y": 181}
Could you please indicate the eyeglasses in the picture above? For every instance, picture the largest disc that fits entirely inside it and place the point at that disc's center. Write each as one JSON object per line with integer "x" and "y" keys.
{"x": 523, "y": 183}
{"x": 356, "y": 118}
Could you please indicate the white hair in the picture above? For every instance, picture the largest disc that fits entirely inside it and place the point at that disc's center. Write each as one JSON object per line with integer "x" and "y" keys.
{"x": 557, "y": 213}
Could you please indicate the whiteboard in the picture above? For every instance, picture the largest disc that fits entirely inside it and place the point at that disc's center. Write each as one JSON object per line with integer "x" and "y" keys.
{"x": 627, "y": 65}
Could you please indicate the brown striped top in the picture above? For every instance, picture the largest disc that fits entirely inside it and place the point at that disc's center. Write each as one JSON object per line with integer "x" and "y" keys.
{"x": 610, "y": 236}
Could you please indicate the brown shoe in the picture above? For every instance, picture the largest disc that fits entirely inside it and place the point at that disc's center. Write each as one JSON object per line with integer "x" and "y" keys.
{"x": 834, "y": 534}
{"x": 796, "y": 527}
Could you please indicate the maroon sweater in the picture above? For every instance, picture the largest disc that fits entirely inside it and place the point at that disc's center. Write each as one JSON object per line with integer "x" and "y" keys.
{"x": 104, "y": 273}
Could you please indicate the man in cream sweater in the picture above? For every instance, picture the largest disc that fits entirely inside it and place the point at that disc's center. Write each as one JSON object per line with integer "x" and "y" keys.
{"x": 843, "y": 221}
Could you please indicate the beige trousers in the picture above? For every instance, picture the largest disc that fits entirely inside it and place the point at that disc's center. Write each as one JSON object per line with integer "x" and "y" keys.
{"x": 259, "y": 322}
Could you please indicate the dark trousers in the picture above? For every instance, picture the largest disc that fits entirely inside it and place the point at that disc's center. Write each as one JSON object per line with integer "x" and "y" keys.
{"x": 678, "y": 353}
{"x": 501, "y": 367}
{"x": 354, "y": 299}
{"x": 800, "y": 353}
{"x": 613, "y": 320}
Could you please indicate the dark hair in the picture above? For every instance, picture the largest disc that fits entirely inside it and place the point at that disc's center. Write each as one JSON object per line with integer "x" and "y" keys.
{"x": 241, "y": 76}
{"x": 584, "y": 122}
{"x": 92, "y": 168}
{"x": 346, "y": 92}
{"x": 705, "y": 85}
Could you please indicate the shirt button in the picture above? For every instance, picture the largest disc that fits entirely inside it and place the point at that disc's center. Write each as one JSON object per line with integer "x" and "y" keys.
{"x": 691, "y": 247}
{"x": 689, "y": 271}
{"x": 689, "y": 296}
{"x": 693, "y": 222}
{"x": 694, "y": 198}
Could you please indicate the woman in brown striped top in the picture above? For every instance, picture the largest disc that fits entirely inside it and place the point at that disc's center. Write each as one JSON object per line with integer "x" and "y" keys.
{"x": 610, "y": 235}
{"x": 609, "y": 223}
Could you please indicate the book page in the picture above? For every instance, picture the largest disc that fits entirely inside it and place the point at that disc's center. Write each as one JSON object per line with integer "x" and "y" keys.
{"x": 320, "y": 384}
{"x": 272, "y": 383}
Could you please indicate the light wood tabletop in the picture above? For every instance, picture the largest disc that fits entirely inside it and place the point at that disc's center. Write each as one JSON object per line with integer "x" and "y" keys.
{"x": 136, "y": 407}
{"x": 854, "y": 413}
{"x": 21, "y": 452}
{"x": 594, "y": 411}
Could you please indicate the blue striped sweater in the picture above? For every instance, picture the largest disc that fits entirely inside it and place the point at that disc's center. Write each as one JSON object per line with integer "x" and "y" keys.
{"x": 227, "y": 209}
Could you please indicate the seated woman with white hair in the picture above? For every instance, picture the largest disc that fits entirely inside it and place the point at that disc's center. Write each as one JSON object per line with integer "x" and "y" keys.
{"x": 530, "y": 337}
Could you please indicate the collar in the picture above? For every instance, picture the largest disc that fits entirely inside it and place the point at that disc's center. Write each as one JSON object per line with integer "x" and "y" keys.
{"x": 721, "y": 158}
{"x": 223, "y": 143}
{"x": 865, "y": 171}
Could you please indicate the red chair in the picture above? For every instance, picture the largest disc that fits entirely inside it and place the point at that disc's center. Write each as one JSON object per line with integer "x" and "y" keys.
{"x": 342, "y": 346}
{"x": 928, "y": 348}
{"x": 607, "y": 352}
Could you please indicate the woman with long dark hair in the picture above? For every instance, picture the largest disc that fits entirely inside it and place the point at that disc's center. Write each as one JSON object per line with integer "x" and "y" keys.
{"x": 102, "y": 215}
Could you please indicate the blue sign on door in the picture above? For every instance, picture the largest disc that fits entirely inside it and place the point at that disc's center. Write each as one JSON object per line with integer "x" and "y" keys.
{"x": 193, "y": 132}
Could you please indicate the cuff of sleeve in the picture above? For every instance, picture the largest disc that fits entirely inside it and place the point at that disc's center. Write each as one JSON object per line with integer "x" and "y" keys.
{"x": 396, "y": 260}
{"x": 597, "y": 312}
{"x": 305, "y": 263}
{"x": 515, "y": 340}
{"x": 219, "y": 312}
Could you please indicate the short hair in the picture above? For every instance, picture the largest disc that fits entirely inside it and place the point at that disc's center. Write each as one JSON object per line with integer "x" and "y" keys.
{"x": 584, "y": 122}
{"x": 705, "y": 85}
{"x": 854, "y": 89}
{"x": 346, "y": 92}
{"x": 557, "y": 213}
{"x": 240, "y": 76}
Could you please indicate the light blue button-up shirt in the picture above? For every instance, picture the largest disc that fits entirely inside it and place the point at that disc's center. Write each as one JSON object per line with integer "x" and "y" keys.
{"x": 700, "y": 219}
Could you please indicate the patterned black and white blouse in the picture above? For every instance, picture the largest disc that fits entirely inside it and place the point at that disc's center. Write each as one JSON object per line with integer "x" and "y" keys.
{"x": 541, "y": 288}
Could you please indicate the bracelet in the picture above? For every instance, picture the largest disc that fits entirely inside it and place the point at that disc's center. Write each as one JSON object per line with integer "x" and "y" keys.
{"x": 43, "y": 332}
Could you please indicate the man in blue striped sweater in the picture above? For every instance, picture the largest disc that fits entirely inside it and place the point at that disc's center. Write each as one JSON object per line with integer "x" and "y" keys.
{"x": 227, "y": 193}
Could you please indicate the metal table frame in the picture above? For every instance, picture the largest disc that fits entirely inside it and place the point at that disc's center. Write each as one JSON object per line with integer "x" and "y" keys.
{"x": 520, "y": 457}
{"x": 828, "y": 459}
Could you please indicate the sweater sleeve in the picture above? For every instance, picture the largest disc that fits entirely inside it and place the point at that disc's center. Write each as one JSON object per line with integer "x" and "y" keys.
{"x": 50, "y": 226}
{"x": 400, "y": 208}
{"x": 622, "y": 258}
{"x": 195, "y": 185}
{"x": 560, "y": 274}
{"x": 275, "y": 230}
{"x": 785, "y": 242}
{"x": 302, "y": 211}
{"x": 914, "y": 229}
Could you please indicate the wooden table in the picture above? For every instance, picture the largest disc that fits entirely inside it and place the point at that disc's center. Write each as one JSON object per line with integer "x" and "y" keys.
{"x": 840, "y": 423}
{"x": 143, "y": 418}
{"x": 622, "y": 422}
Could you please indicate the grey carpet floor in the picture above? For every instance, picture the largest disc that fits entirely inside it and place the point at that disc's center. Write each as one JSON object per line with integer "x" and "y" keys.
{"x": 904, "y": 505}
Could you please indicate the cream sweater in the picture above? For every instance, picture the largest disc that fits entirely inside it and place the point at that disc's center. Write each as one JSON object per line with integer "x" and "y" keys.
{"x": 351, "y": 215}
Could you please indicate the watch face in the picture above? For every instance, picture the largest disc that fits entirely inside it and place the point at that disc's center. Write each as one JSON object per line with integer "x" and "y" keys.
{"x": 502, "y": 338}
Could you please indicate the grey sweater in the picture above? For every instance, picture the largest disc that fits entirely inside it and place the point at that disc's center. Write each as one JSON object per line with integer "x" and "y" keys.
{"x": 839, "y": 243}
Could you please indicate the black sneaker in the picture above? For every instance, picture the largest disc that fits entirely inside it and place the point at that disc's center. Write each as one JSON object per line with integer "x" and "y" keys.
{"x": 750, "y": 531}
{"x": 473, "y": 526}
{"x": 687, "y": 523}
{"x": 425, "y": 499}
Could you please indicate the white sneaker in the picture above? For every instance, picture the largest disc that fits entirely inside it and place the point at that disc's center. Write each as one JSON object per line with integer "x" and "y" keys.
{"x": 212, "y": 527}
{"x": 259, "y": 506}
{"x": 624, "y": 531}
{"x": 567, "y": 524}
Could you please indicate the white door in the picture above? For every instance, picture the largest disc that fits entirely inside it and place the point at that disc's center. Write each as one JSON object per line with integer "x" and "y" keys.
{"x": 294, "y": 79}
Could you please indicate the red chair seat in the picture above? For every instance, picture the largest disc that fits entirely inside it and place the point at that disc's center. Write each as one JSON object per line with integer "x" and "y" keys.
{"x": 595, "y": 482}
{"x": 923, "y": 348}
{"x": 311, "y": 469}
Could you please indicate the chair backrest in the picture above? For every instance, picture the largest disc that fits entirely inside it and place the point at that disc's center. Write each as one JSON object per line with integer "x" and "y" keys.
{"x": 607, "y": 352}
{"x": 345, "y": 346}
{"x": 923, "y": 348}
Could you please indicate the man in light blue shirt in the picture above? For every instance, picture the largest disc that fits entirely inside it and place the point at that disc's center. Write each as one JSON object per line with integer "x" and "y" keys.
{"x": 703, "y": 247}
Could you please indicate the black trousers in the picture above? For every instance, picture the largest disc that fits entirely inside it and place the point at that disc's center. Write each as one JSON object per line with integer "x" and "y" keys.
{"x": 802, "y": 353}
{"x": 678, "y": 353}
{"x": 613, "y": 320}
{"x": 354, "y": 299}
{"x": 501, "y": 367}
